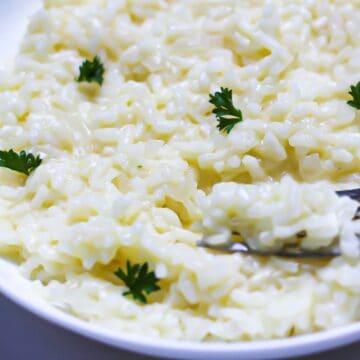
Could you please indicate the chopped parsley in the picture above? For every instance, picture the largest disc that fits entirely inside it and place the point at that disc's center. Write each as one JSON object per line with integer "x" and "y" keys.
{"x": 92, "y": 71}
{"x": 355, "y": 93}
{"x": 139, "y": 280}
{"x": 226, "y": 113}
{"x": 22, "y": 162}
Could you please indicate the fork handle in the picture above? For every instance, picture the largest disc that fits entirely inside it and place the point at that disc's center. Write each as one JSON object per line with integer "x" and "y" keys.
{"x": 353, "y": 194}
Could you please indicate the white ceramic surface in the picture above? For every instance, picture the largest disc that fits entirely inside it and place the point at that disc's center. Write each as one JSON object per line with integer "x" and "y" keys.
{"x": 13, "y": 17}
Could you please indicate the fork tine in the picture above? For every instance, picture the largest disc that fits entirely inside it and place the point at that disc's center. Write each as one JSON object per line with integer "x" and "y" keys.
{"x": 238, "y": 247}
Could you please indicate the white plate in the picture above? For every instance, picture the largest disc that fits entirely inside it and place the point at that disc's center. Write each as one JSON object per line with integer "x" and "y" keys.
{"x": 13, "y": 17}
{"x": 16, "y": 288}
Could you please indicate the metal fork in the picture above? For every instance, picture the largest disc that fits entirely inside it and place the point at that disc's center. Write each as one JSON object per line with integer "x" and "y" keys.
{"x": 289, "y": 251}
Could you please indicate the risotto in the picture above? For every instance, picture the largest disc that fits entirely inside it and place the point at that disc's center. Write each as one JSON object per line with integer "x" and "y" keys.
{"x": 134, "y": 169}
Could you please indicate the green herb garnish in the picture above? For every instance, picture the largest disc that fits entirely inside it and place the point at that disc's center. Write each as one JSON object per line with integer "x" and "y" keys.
{"x": 92, "y": 71}
{"x": 226, "y": 113}
{"x": 355, "y": 93}
{"x": 22, "y": 162}
{"x": 139, "y": 281}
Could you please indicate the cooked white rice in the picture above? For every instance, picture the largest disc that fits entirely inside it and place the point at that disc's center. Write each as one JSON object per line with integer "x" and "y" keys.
{"x": 137, "y": 170}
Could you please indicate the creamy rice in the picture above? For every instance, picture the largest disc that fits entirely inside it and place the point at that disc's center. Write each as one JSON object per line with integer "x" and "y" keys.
{"x": 137, "y": 170}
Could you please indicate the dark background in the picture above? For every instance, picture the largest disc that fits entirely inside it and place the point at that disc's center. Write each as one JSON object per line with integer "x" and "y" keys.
{"x": 23, "y": 336}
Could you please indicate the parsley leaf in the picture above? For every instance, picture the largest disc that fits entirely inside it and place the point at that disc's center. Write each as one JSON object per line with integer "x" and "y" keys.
{"x": 22, "y": 162}
{"x": 139, "y": 280}
{"x": 92, "y": 71}
{"x": 226, "y": 113}
{"x": 355, "y": 93}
